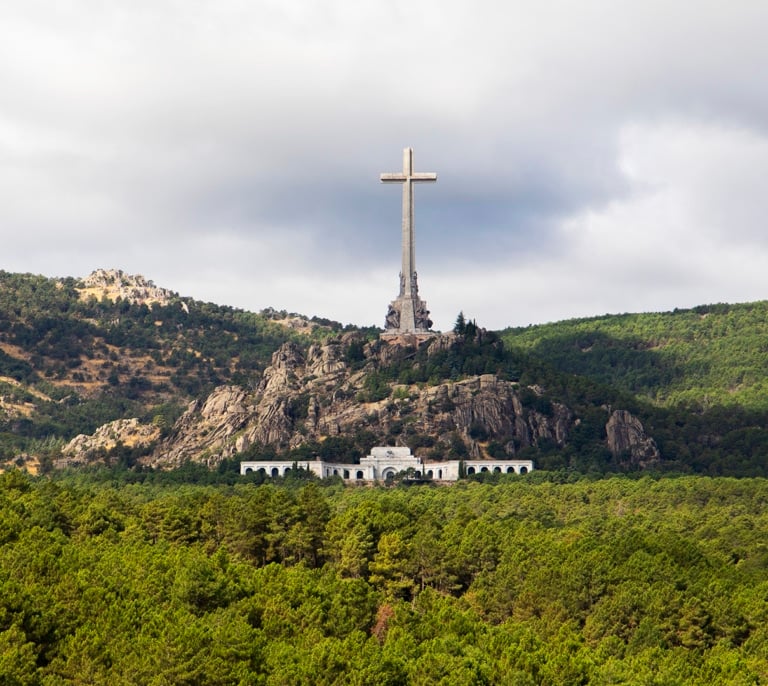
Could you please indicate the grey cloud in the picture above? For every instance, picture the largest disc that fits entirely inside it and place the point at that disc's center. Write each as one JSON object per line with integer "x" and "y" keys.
{"x": 210, "y": 137}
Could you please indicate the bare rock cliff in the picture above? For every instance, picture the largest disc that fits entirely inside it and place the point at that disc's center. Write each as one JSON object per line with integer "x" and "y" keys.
{"x": 127, "y": 432}
{"x": 628, "y": 441}
{"x": 114, "y": 283}
{"x": 335, "y": 389}
{"x": 317, "y": 394}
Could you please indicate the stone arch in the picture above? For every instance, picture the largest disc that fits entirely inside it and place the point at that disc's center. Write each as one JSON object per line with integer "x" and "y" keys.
{"x": 335, "y": 472}
{"x": 523, "y": 470}
{"x": 346, "y": 473}
{"x": 388, "y": 473}
{"x": 484, "y": 469}
{"x": 510, "y": 470}
{"x": 497, "y": 470}
{"x": 359, "y": 474}
{"x": 439, "y": 473}
{"x": 430, "y": 474}
{"x": 470, "y": 470}
{"x": 248, "y": 470}
{"x": 275, "y": 472}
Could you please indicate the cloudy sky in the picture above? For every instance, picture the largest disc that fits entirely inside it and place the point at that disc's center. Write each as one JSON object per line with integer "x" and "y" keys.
{"x": 592, "y": 157}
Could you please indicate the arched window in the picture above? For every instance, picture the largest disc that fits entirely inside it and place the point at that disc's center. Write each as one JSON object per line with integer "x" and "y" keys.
{"x": 275, "y": 472}
{"x": 484, "y": 469}
{"x": 430, "y": 474}
{"x": 510, "y": 470}
{"x": 497, "y": 470}
{"x": 346, "y": 473}
{"x": 523, "y": 470}
{"x": 439, "y": 473}
{"x": 470, "y": 470}
{"x": 248, "y": 470}
{"x": 359, "y": 473}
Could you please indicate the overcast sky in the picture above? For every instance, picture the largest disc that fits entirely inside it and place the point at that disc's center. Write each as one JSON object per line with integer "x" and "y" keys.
{"x": 593, "y": 157}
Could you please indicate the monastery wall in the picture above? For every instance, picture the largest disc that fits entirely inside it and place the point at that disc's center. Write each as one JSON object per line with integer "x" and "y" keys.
{"x": 385, "y": 463}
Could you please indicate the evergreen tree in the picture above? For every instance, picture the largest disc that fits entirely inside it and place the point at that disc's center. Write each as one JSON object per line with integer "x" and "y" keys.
{"x": 461, "y": 325}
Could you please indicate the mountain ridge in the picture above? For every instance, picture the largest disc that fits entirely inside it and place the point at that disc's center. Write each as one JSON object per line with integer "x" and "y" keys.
{"x": 73, "y": 364}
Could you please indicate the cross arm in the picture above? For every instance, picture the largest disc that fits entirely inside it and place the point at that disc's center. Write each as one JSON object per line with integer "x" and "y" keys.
{"x": 399, "y": 177}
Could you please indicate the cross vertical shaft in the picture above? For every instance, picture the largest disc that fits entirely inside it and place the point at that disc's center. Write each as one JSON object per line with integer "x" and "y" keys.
{"x": 411, "y": 312}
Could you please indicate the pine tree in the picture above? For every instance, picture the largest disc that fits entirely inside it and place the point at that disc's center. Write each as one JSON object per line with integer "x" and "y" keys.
{"x": 461, "y": 325}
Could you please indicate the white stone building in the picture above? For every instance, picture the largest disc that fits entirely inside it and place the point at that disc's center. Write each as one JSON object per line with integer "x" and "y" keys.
{"x": 385, "y": 462}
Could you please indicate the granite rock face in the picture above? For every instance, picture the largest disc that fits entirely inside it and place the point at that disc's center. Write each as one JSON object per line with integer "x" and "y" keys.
{"x": 114, "y": 283}
{"x": 628, "y": 441}
{"x": 127, "y": 432}
{"x": 317, "y": 394}
{"x": 311, "y": 394}
{"x": 210, "y": 425}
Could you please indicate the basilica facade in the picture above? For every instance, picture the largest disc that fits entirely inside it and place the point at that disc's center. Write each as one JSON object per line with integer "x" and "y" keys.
{"x": 385, "y": 462}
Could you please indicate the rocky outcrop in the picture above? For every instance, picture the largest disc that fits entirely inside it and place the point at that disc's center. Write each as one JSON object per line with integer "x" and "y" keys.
{"x": 206, "y": 427}
{"x": 326, "y": 359}
{"x": 314, "y": 395}
{"x": 325, "y": 390}
{"x": 628, "y": 441}
{"x": 114, "y": 283}
{"x": 130, "y": 433}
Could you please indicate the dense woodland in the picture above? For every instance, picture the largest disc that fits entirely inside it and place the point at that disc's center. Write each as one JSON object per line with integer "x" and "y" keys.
{"x": 521, "y": 581}
{"x": 712, "y": 355}
{"x": 697, "y": 378}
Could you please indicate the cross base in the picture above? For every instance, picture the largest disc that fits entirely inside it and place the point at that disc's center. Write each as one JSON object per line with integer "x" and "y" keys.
{"x": 408, "y": 314}
{"x": 407, "y": 340}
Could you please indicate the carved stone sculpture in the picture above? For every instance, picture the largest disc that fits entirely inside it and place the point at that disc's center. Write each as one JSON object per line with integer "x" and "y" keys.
{"x": 393, "y": 318}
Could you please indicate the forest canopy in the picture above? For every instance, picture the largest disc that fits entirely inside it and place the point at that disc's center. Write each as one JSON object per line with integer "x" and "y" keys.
{"x": 525, "y": 581}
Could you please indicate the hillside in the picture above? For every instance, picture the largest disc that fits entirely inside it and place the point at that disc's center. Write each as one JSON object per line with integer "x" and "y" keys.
{"x": 112, "y": 368}
{"x": 703, "y": 357}
{"x": 75, "y": 354}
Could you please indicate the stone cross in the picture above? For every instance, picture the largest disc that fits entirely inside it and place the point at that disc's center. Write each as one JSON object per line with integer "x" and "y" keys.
{"x": 408, "y": 177}
{"x": 408, "y": 304}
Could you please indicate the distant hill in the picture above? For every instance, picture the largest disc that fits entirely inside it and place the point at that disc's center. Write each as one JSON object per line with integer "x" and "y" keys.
{"x": 712, "y": 355}
{"x": 113, "y": 368}
{"x": 76, "y": 353}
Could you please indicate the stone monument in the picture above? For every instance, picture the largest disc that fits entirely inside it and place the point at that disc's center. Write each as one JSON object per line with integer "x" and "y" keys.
{"x": 408, "y": 314}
